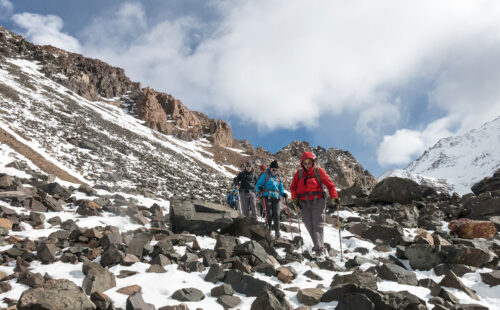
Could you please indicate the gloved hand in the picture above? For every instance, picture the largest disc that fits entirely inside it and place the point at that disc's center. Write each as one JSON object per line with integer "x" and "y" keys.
{"x": 295, "y": 201}
{"x": 285, "y": 195}
{"x": 259, "y": 188}
{"x": 336, "y": 201}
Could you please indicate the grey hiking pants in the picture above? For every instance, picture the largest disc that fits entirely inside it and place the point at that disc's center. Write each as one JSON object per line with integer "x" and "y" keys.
{"x": 248, "y": 203}
{"x": 313, "y": 215}
{"x": 273, "y": 214}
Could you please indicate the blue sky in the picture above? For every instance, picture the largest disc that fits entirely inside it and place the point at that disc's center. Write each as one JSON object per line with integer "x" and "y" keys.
{"x": 382, "y": 79}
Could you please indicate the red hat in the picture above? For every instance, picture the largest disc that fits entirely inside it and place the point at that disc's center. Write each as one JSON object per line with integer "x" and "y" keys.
{"x": 262, "y": 167}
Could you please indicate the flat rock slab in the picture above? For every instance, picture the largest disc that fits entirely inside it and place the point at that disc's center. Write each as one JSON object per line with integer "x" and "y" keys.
{"x": 199, "y": 217}
{"x": 310, "y": 296}
{"x": 188, "y": 294}
{"x": 228, "y": 301}
{"x": 491, "y": 278}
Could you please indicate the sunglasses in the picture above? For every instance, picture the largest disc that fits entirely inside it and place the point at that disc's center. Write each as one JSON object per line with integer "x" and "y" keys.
{"x": 274, "y": 169}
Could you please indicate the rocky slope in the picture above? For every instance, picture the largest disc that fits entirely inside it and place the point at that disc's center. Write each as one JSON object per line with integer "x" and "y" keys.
{"x": 456, "y": 163}
{"x": 404, "y": 247}
{"x": 88, "y": 116}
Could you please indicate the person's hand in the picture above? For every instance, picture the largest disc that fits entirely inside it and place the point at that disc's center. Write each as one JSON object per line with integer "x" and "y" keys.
{"x": 336, "y": 201}
{"x": 295, "y": 201}
{"x": 285, "y": 195}
{"x": 259, "y": 188}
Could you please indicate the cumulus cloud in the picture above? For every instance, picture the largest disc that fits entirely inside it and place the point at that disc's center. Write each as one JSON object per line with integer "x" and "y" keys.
{"x": 404, "y": 145}
{"x": 6, "y": 8}
{"x": 46, "y": 30}
{"x": 283, "y": 66}
{"x": 289, "y": 64}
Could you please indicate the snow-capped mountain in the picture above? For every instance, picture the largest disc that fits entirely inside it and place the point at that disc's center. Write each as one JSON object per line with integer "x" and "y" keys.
{"x": 455, "y": 163}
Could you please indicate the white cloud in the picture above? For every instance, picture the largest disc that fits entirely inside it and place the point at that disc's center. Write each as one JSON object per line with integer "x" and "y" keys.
{"x": 404, "y": 145}
{"x": 283, "y": 65}
{"x": 6, "y": 8}
{"x": 46, "y": 30}
{"x": 287, "y": 64}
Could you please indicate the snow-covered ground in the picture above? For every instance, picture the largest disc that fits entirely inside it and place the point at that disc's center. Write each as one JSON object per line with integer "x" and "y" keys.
{"x": 157, "y": 288}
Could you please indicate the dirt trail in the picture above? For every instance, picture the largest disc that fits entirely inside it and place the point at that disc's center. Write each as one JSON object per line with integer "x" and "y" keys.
{"x": 36, "y": 158}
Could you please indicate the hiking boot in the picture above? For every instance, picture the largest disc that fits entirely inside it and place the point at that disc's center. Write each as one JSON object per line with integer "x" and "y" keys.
{"x": 320, "y": 257}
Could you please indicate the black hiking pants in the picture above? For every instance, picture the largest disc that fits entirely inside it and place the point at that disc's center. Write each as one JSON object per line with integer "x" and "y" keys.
{"x": 273, "y": 214}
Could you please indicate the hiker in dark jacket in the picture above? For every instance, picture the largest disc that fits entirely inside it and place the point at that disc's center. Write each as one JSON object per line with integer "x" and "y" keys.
{"x": 271, "y": 187}
{"x": 246, "y": 180}
{"x": 307, "y": 192}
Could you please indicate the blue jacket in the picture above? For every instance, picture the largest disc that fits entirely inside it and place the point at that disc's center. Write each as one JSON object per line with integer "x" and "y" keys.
{"x": 232, "y": 199}
{"x": 274, "y": 186}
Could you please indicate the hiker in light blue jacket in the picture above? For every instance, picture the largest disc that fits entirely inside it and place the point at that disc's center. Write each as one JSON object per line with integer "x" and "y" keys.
{"x": 270, "y": 187}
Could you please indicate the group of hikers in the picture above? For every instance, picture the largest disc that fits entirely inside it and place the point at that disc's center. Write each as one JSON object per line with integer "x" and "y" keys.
{"x": 266, "y": 190}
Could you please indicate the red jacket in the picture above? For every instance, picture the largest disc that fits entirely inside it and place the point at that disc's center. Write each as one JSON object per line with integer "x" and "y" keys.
{"x": 311, "y": 185}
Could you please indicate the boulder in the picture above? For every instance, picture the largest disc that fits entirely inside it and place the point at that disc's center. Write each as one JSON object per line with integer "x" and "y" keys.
{"x": 310, "y": 296}
{"x": 461, "y": 254}
{"x": 199, "y": 217}
{"x": 254, "y": 249}
{"x": 451, "y": 280}
{"x": 46, "y": 252}
{"x": 215, "y": 274}
{"x": 363, "y": 279}
{"x": 386, "y": 233}
{"x": 136, "y": 245}
{"x": 395, "y": 273}
{"x": 488, "y": 184}
{"x": 423, "y": 256}
{"x": 458, "y": 269}
{"x": 355, "y": 301}
{"x": 246, "y": 284}
{"x": 97, "y": 278}
{"x": 55, "y": 190}
{"x": 129, "y": 290}
{"x": 136, "y": 302}
{"x": 55, "y": 294}
{"x": 312, "y": 275}
{"x": 399, "y": 190}
{"x": 285, "y": 275}
{"x": 112, "y": 256}
{"x": 88, "y": 208}
{"x": 483, "y": 207}
{"x": 224, "y": 289}
{"x": 267, "y": 300}
{"x": 491, "y": 278}
{"x": 228, "y": 301}
{"x": 469, "y": 229}
{"x": 250, "y": 228}
{"x": 188, "y": 294}
{"x": 102, "y": 301}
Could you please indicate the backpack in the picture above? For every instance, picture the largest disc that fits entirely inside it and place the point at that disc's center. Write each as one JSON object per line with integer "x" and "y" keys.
{"x": 316, "y": 176}
{"x": 260, "y": 194}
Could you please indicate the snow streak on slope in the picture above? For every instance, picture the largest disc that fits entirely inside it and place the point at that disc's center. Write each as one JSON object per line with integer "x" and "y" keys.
{"x": 100, "y": 141}
{"x": 459, "y": 161}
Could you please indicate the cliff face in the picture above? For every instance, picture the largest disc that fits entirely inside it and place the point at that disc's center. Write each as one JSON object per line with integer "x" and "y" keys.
{"x": 95, "y": 80}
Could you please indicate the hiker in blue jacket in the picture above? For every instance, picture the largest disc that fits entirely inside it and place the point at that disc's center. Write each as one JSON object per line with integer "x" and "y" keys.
{"x": 233, "y": 200}
{"x": 271, "y": 188}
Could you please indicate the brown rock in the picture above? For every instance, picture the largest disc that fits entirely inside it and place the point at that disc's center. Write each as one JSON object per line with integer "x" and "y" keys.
{"x": 424, "y": 235}
{"x": 451, "y": 280}
{"x": 469, "y": 229}
{"x": 5, "y": 223}
{"x": 491, "y": 278}
{"x": 285, "y": 275}
{"x": 127, "y": 290}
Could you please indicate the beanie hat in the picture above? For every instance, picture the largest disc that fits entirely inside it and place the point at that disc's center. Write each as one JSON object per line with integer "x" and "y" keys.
{"x": 274, "y": 164}
{"x": 248, "y": 164}
{"x": 262, "y": 167}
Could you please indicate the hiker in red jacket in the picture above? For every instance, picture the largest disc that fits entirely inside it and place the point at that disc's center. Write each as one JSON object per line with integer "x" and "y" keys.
{"x": 307, "y": 192}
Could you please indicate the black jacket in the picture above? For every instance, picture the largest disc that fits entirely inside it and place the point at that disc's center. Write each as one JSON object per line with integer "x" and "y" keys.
{"x": 246, "y": 180}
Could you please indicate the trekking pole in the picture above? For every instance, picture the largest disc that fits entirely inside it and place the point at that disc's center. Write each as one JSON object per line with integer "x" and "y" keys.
{"x": 289, "y": 219}
{"x": 300, "y": 233}
{"x": 340, "y": 236}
